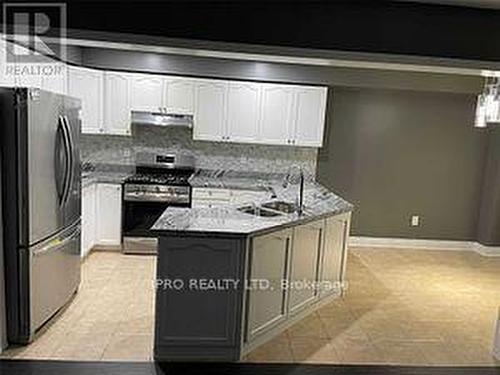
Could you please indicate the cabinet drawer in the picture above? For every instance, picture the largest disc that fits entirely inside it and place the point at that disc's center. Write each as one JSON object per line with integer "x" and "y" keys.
{"x": 208, "y": 203}
{"x": 203, "y": 193}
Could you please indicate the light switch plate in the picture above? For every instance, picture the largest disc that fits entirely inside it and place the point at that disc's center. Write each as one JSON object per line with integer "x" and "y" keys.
{"x": 415, "y": 220}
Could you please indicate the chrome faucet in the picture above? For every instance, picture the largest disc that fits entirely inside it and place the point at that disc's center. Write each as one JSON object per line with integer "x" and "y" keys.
{"x": 294, "y": 176}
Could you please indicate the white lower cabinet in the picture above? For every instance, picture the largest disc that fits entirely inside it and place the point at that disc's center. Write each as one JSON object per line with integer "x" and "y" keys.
{"x": 304, "y": 265}
{"x": 268, "y": 259}
{"x": 108, "y": 214}
{"x": 88, "y": 238}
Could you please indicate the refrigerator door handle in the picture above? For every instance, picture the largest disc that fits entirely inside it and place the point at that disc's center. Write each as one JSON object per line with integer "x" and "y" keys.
{"x": 61, "y": 174}
{"x": 70, "y": 150}
{"x": 58, "y": 243}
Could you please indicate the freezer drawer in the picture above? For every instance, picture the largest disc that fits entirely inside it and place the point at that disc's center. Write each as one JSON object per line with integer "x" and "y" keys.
{"x": 55, "y": 274}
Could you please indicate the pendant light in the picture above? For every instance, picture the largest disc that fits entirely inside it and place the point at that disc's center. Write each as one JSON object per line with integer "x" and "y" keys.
{"x": 488, "y": 103}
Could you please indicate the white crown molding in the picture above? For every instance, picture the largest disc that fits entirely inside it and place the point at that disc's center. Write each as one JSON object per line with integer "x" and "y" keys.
{"x": 423, "y": 244}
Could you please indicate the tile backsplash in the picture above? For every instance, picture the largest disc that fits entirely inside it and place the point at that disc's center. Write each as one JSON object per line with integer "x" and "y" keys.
{"x": 109, "y": 149}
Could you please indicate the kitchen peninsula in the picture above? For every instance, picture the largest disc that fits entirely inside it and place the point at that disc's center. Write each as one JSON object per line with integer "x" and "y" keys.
{"x": 232, "y": 276}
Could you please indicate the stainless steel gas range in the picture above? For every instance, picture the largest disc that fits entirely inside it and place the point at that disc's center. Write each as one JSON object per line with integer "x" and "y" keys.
{"x": 160, "y": 181}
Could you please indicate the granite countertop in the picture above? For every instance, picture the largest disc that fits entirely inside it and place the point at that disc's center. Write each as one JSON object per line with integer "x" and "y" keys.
{"x": 222, "y": 179}
{"x": 105, "y": 173}
{"x": 318, "y": 202}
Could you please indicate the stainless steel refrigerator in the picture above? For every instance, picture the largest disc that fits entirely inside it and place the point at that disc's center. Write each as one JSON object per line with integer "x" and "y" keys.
{"x": 41, "y": 191}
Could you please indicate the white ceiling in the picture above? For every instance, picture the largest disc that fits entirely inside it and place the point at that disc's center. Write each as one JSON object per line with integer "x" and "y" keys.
{"x": 493, "y": 4}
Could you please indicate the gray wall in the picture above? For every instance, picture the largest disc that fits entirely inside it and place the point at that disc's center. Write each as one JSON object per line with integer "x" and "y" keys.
{"x": 396, "y": 153}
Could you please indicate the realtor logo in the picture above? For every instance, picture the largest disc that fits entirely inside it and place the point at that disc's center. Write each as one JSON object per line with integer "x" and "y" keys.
{"x": 39, "y": 27}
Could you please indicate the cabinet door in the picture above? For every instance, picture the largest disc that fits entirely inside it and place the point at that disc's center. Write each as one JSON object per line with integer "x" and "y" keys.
{"x": 310, "y": 107}
{"x": 307, "y": 241}
{"x": 210, "y": 117}
{"x": 7, "y": 79}
{"x": 109, "y": 214}
{"x": 268, "y": 261}
{"x": 116, "y": 103}
{"x": 87, "y": 85}
{"x": 179, "y": 95}
{"x": 57, "y": 81}
{"x": 146, "y": 92}
{"x": 333, "y": 254}
{"x": 276, "y": 114}
{"x": 88, "y": 218}
{"x": 243, "y": 112}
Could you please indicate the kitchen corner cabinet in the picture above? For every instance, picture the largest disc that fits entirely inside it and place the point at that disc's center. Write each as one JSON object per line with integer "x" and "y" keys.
{"x": 108, "y": 214}
{"x": 210, "y": 115}
{"x": 310, "y": 108}
{"x": 88, "y": 85}
{"x": 117, "y": 116}
{"x": 268, "y": 260}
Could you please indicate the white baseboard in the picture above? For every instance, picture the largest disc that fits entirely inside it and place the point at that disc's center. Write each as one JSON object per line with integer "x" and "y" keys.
{"x": 487, "y": 251}
{"x": 423, "y": 244}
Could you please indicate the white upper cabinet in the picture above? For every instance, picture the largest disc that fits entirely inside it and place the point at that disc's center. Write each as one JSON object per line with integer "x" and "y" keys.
{"x": 223, "y": 111}
{"x": 210, "y": 115}
{"x": 179, "y": 97}
{"x": 146, "y": 92}
{"x": 310, "y": 107}
{"x": 87, "y": 85}
{"x": 117, "y": 103}
{"x": 6, "y": 79}
{"x": 276, "y": 114}
{"x": 243, "y": 112}
{"x": 58, "y": 81}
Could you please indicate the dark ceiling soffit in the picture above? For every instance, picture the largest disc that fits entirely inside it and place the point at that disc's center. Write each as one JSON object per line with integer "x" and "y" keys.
{"x": 156, "y": 44}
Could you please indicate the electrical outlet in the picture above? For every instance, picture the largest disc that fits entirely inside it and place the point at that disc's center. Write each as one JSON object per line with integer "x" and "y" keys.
{"x": 415, "y": 220}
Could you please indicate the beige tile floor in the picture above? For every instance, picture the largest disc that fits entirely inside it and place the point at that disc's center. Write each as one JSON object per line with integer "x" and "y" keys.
{"x": 111, "y": 317}
{"x": 402, "y": 307}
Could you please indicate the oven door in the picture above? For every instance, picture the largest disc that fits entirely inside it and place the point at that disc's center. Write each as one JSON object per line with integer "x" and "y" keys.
{"x": 138, "y": 217}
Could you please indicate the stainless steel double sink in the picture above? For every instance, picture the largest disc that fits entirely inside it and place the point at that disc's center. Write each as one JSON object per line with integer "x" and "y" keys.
{"x": 269, "y": 209}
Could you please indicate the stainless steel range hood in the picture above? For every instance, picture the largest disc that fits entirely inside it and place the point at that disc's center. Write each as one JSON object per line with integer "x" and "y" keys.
{"x": 161, "y": 119}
